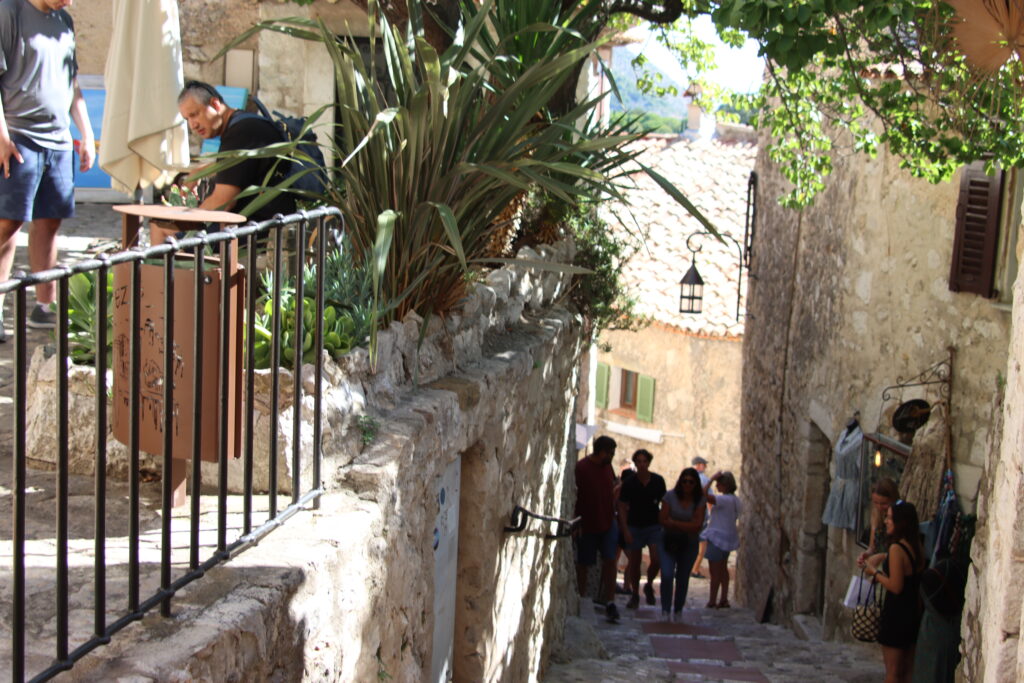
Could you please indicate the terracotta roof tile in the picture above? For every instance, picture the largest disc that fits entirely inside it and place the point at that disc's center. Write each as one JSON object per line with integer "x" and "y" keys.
{"x": 713, "y": 175}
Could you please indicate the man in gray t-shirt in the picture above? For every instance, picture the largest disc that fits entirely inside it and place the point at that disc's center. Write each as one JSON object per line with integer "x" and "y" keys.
{"x": 39, "y": 96}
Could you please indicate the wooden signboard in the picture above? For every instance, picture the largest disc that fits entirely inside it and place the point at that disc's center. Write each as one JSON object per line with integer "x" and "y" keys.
{"x": 152, "y": 344}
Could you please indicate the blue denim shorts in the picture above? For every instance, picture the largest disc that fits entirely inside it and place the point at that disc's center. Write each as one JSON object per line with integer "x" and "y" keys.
{"x": 589, "y": 545}
{"x": 41, "y": 187}
{"x": 644, "y": 536}
{"x": 715, "y": 554}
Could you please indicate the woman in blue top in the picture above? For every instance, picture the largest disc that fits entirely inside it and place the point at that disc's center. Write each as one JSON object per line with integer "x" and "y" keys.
{"x": 681, "y": 516}
{"x": 721, "y": 533}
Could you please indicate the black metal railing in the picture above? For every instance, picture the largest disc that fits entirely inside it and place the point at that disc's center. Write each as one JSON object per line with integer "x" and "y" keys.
{"x": 313, "y": 227}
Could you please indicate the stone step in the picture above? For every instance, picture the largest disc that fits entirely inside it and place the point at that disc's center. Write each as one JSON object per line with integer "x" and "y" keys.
{"x": 718, "y": 645}
{"x": 671, "y": 647}
{"x": 715, "y": 672}
{"x": 670, "y": 629}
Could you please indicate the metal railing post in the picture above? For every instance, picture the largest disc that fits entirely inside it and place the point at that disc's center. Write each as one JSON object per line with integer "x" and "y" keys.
{"x": 141, "y": 401}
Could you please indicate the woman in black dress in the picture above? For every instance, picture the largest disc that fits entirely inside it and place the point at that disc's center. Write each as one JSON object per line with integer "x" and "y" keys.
{"x": 899, "y": 572}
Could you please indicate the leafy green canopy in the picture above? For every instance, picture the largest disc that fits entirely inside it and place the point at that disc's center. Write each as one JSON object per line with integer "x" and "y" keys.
{"x": 848, "y": 75}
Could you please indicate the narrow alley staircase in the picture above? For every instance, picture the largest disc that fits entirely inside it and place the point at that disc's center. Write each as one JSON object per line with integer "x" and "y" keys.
{"x": 710, "y": 645}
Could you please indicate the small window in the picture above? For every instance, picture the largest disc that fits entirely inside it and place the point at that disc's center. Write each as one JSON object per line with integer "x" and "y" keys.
{"x": 627, "y": 397}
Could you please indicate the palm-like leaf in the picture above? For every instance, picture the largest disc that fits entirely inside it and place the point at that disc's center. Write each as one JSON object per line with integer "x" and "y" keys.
{"x": 430, "y": 159}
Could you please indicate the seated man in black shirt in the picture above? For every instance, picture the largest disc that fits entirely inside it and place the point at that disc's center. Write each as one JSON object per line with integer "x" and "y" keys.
{"x": 209, "y": 117}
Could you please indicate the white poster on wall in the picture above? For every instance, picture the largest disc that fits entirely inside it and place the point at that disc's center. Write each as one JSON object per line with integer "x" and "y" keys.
{"x": 446, "y": 559}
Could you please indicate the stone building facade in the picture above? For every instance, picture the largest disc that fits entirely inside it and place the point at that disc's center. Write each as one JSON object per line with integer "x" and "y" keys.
{"x": 288, "y": 72}
{"x": 991, "y": 629}
{"x": 849, "y": 298}
{"x": 689, "y": 365}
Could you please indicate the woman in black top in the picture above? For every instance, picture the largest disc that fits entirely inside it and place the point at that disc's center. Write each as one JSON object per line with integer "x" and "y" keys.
{"x": 899, "y": 572}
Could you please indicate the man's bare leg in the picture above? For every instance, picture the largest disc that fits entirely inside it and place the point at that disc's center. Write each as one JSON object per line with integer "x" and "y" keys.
{"x": 42, "y": 255}
{"x": 581, "y": 579}
{"x": 608, "y": 572}
{"x": 8, "y": 231}
{"x": 696, "y": 572}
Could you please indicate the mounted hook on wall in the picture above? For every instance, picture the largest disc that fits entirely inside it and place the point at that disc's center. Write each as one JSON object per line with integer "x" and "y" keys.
{"x": 520, "y": 517}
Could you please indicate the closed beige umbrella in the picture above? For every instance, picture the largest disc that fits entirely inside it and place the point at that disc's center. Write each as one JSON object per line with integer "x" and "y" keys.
{"x": 145, "y": 140}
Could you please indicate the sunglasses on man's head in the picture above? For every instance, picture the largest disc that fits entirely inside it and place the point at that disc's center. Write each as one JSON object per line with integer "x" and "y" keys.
{"x": 689, "y": 481}
{"x": 190, "y": 85}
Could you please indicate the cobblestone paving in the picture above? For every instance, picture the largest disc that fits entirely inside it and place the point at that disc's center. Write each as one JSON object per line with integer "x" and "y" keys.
{"x": 710, "y": 645}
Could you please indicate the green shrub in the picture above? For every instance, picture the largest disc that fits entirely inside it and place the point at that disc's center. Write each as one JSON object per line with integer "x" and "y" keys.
{"x": 601, "y": 295}
{"x": 348, "y": 301}
{"x": 82, "y": 317}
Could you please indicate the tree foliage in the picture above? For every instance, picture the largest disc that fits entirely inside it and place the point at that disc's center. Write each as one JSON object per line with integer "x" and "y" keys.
{"x": 849, "y": 75}
{"x": 646, "y": 122}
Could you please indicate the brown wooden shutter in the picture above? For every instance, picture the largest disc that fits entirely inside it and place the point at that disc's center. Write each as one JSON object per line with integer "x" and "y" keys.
{"x": 977, "y": 231}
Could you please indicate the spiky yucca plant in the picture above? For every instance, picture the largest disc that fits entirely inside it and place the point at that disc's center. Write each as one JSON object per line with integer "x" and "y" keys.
{"x": 431, "y": 158}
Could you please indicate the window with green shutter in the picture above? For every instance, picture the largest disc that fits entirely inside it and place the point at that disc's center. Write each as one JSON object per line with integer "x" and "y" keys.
{"x": 645, "y": 398}
{"x": 603, "y": 372}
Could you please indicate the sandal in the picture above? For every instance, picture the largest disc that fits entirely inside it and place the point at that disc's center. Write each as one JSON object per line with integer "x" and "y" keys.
{"x": 724, "y": 604}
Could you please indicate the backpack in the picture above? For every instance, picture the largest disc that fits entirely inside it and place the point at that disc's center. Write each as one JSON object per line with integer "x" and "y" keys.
{"x": 314, "y": 176}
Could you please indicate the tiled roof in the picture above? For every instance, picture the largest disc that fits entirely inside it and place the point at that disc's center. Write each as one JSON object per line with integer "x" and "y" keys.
{"x": 713, "y": 175}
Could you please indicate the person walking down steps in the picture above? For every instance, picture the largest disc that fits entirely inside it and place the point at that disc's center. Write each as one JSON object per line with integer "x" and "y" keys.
{"x": 682, "y": 516}
{"x": 638, "y": 518}
{"x": 721, "y": 534}
{"x": 598, "y": 534}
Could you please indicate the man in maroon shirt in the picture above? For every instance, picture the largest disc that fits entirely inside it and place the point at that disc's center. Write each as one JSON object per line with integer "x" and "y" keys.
{"x": 595, "y": 503}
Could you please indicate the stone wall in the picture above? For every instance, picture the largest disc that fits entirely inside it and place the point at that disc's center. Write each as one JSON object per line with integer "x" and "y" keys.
{"x": 696, "y": 398}
{"x": 845, "y": 298}
{"x": 346, "y": 592}
{"x": 991, "y": 628}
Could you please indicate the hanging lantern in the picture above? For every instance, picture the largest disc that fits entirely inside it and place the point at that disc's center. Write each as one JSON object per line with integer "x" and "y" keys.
{"x": 691, "y": 291}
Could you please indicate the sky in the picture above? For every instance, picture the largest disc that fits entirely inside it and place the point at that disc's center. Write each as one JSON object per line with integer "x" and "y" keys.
{"x": 739, "y": 70}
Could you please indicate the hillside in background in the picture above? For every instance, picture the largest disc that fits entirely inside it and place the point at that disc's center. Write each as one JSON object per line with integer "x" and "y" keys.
{"x": 635, "y": 101}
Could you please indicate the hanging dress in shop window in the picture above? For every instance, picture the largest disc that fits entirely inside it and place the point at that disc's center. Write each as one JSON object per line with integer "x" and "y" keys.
{"x": 844, "y": 497}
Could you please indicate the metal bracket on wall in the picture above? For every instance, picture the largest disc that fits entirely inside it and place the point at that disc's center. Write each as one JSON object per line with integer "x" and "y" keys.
{"x": 934, "y": 380}
{"x": 938, "y": 377}
{"x": 520, "y": 517}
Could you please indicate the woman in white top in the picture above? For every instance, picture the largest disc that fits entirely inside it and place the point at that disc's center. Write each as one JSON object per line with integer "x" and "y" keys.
{"x": 721, "y": 533}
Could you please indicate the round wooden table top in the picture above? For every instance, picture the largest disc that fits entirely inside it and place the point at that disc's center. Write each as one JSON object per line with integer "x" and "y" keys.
{"x": 180, "y": 213}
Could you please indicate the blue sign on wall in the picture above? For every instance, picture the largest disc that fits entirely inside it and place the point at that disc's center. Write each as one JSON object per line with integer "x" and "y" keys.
{"x": 94, "y": 177}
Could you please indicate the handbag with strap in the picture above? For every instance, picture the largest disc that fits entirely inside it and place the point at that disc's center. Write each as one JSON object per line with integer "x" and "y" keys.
{"x": 867, "y": 615}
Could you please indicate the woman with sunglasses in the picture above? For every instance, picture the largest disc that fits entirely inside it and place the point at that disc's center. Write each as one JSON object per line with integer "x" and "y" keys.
{"x": 681, "y": 516}
{"x": 899, "y": 571}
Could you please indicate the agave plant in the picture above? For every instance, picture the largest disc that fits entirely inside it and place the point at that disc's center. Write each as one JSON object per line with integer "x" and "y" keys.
{"x": 430, "y": 159}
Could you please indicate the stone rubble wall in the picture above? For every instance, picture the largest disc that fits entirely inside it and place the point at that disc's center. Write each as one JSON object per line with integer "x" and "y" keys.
{"x": 992, "y": 649}
{"x": 346, "y": 592}
{"x": 846, "y": 297}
